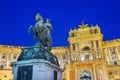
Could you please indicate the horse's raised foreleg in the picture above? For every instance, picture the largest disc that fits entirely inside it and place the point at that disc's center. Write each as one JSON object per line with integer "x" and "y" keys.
{"x": 29, "y": 29}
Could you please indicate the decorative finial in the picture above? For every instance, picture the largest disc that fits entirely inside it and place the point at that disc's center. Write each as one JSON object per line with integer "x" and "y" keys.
{"x": 97, "y": 25}
{"x": 74, "y": 28}
{"x": 83, "y": 25}
{"x": 70, "y": 29}
{"x": 91, "y": 25}
{"x": 82, "y": 22}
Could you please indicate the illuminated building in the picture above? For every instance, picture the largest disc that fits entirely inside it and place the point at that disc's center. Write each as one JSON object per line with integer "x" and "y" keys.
{"x": 87, "y": 58}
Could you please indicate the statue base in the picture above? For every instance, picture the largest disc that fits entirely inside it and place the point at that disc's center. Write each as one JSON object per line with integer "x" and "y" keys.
{"x": 37, "y": 52}
{"x": 36, "y": 69}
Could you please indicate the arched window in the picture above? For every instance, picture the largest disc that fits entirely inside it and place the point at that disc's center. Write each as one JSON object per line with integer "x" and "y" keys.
{"x": 86, "y": 48}
{"x": 85, "y": 75}
{"x": 86, "y": 53}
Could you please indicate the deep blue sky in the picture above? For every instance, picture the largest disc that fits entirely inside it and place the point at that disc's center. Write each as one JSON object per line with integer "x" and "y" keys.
{"x": 17, "y": 15}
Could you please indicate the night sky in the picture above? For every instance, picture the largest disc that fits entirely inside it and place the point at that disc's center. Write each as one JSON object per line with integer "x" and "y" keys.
{"x": 17, "y": 15}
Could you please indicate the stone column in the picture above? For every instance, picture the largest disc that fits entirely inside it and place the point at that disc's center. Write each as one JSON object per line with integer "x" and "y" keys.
{"x": 71, "y": 53}
{"x": 79, "y": 52}
{"x": 61, "y": 60}
{"x": 95, "y": 52}
{"x": 110, "y": 58}
{"x": 76, "y": 50}
{"x": 94, "y": 71}
{"x": 67, "y": 72}
{"x": 68, "y": 57}
{"x": 116, "y": 50}
{"x": 106, "y": 55}
{"x": 100, "y": 48}
{"x": 105, "y": 73}
{"x": 7, "y": 60}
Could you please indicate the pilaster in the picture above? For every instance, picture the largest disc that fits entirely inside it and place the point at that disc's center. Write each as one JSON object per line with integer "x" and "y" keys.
{"x": 116, "y": 50}
{"x": 100, "y": 48}
{"x": 107, "y": 57}
{"x": 110, "y": 58}
{"x": 77, "y": 54}
{"x": 94, "y": 71}
{"x": 71, "y": 53}
{"x": 95, "y": 52}
{"x": 61, "y": 60}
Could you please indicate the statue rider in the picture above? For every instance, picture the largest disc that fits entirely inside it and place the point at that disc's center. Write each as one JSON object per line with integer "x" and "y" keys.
{"x": 48, "y": 27}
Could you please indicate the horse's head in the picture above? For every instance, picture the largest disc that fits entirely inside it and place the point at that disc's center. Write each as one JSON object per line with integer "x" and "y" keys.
{"x": 38, "y": 17}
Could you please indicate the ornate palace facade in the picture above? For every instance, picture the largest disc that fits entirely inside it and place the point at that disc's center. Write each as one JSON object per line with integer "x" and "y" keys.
{"x": 87, "y": 58}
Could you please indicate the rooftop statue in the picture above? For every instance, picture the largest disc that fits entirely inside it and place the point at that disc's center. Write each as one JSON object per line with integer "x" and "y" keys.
{"x": 42, "y": 32}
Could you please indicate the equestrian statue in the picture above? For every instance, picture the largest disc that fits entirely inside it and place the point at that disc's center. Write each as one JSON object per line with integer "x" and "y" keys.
{"x": 42, "y": 32}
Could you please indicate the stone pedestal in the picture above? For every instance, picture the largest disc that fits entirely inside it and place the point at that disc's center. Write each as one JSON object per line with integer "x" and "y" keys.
{"x": 36, "y": 69}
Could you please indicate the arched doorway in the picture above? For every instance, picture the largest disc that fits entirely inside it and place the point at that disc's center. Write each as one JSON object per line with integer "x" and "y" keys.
{"x": 85, "y": 75}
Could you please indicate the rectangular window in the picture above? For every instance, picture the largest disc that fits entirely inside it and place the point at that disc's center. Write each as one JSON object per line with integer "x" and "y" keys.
{"x": 1, "y": 66}
{"x": 74, "y": 58}
{"x": 3, "y": 57}
{"x": 14, "y": 57}
{"x": 55, "y": 75}
{"x": 97, "y": 46}
{"x": 64, "y": 56}
{"x": 112, "y": 52}
{"x": 115, "y": 62}
{"x": 73, "y": 45}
